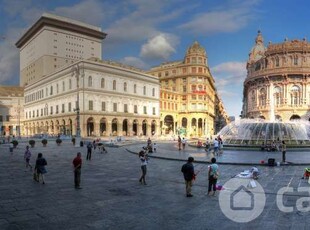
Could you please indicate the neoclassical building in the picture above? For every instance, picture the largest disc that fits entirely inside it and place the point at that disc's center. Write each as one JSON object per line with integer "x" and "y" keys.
{"x": 277, "y": 86}
{"x": 189, "y": 104}
{"x": 65, "y": 79}
{"x": 11, "y": 110}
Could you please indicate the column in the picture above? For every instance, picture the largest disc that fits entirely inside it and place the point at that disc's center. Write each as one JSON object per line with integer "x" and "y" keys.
{"x": 148, "y": 130}
{"x": 139, "y": 128}
{"x": 129, "y": 132}
{"x": 96, "y": 128}
{"x": 109, "y": 128}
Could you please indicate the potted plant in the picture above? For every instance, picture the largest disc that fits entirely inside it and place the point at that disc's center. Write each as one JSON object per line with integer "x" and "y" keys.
{"x": 15, "y": 143}
{"x": 73, "y": 140}
{"x": 32, "y": 143}
{"x": 58, "y": 141}
{"x": 44, "y": 142}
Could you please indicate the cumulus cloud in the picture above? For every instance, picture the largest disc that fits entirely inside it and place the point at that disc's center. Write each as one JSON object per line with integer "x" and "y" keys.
{"x": 159, "y": 47}
{"x": 135, "y": 62}
{"x": 229, "y": 19}
{"x": 229, "y": 73}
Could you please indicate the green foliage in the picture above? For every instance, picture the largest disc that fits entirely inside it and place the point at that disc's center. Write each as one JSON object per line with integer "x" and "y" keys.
{"x": 32, "y": 142}
{"x": 15, "y": 143}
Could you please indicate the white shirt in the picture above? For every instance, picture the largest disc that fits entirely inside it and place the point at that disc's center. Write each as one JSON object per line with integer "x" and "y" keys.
{"x": 216, "y": 143}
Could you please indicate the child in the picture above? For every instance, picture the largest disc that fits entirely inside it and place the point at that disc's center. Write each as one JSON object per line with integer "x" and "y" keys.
{"x": 154, "y": 147}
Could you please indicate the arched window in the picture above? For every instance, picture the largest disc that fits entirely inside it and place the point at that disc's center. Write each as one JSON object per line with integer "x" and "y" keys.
{"x": 295, "y": 95}
{"x": 277, "y": 95}
{"x": 135, "y": 88}
{"x": 295, "y": 60}
{"x": 125, "y": 87}
{"x": 144, "y": 90}
{"x": 262, "y": 97}
{"x": 90, "y": 81}
{"x": 102, "y": 83}
{"x": 114, "y": 84}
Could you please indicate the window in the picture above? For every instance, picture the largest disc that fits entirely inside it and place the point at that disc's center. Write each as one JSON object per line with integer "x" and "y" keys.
{"x": 57, "y": 109}
{"x": 135, "y": 109}
{"x": 41, "y": 112}
{"x": 90, "y": 105}
{"x": 69, "y": 107}
{"x": 114, "y": 84}
{"x": 51, "y": 93}
{"x": 51, "y": 110}
{"x": 7, "y": 117}
{"x": 103, "y": 106}
{"x": 90, "y": 81}
{"x": 114, "y": 107}
{"x": 70, "y": 84}
{"x": 144, "y": 109}
{"x": 295, "y": 60}
{"x": 46, "y": 92}
{"x": 63, "y": 86}
{"x": 153, "y": 92}
{"x": 277, "y": 61}
{"x": 154, "y": 111}
{"x": 102, "y": 83}
{"x": 125, "y": 108}
{"x": 135, "y": 88}
{"x": 125, "y": 87}
{"x": 63, "y": 108}
{"x": 144, "y": 90}
{"x": 184, "y": 89}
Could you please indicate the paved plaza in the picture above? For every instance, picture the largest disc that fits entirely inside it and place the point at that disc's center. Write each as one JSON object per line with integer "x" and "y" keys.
{"x": 112, "y": 197}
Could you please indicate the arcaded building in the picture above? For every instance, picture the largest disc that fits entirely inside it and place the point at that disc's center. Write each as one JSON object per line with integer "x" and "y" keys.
{"x": 189, "y": 104}
{"x": 277, "y": 86}
{"x": 67, "y": 83}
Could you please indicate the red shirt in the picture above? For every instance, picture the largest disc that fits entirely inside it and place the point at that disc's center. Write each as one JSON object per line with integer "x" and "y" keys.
{"x": 77, "y": 162}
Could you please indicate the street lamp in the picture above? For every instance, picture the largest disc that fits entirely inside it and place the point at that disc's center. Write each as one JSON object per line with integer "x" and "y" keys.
{"x": 78, "y": 72}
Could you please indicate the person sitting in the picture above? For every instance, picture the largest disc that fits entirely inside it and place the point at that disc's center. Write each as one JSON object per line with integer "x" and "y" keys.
{"x": 306, "y": 174}
{"x": 263, "y": 146}
{"x": 254, "y": 172}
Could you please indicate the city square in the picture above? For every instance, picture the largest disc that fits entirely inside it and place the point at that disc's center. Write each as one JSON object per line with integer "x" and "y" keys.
{"x": 154, "y": 115}
{"x": 112, "y": 198}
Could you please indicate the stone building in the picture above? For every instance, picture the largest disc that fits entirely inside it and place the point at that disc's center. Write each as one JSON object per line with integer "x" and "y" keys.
{"x": 11, "y": 110}
{"x": 61, "y": 65}
{"x": 188, "y": 97}
{"x": 277, "y": 86}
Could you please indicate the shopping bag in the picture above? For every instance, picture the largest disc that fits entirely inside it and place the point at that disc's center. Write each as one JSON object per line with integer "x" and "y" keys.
{"x": 36, "y": 176}
{"x": 252, "y": 184}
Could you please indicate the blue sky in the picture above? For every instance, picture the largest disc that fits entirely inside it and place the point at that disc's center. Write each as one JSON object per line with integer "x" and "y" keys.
{"x": 145, "y": 33}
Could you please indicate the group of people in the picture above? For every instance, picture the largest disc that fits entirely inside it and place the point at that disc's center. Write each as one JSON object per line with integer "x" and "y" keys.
{"x": 279, "y": 146}
{"x": 217, "y": 145}
{"x": 189, "y": 176}
{"x": 181, "y": 141}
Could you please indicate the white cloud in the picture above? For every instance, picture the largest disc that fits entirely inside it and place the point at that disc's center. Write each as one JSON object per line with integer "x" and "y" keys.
{"x": 229, "y": 73}
{"x": 159, "y": 47}
{"x": 135, "y": 62}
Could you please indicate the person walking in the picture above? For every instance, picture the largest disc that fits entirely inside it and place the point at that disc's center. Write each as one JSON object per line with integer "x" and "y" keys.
{"x": 207, "y": 145}
{"x": 213, "y": 174}
{"x": 27, "y": 156}
{"x": 216, "y": 146}
{"x": 189, "y": 175}
{"x": 143, "y": 159}
{"x": 77, "y": 164}
{"x": 40, "y": 167}
{"x": 89, "y": 149}
{"x": 183, "y": 143}
{"x": 179, "y": 142}
{"x": 283, "y": 147}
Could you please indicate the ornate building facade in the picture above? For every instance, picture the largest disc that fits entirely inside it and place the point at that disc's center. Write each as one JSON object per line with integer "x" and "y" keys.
{"x": 105, "y": 98}
{"x": 277, "y": 86}
{"x": 189, "y": 104}
{"x": 11, "y": 110}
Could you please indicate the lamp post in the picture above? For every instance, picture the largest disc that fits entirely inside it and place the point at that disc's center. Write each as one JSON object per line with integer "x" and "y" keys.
{"x": 77, "y": 72}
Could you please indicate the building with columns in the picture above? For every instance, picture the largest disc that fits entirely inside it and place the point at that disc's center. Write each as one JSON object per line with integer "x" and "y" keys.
{"x": 277, "y": 86}
{"x": 61, "y": 66}
{"x": 189, "y": 103}
{"x": 11, "y": 110}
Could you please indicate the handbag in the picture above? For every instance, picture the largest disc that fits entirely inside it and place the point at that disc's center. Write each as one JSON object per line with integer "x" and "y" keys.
{"x": 36, "y": 176}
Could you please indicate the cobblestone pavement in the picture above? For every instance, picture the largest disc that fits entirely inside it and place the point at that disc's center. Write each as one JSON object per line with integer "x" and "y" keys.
{"x": 112, "y": 197}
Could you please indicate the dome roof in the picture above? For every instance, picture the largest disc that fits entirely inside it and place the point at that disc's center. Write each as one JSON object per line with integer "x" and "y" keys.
{"x": 258, "y": 50}
{"x": 196, "y": 48}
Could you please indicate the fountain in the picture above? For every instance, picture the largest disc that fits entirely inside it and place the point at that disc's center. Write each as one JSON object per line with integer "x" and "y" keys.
{"x": 254, "y": 132}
